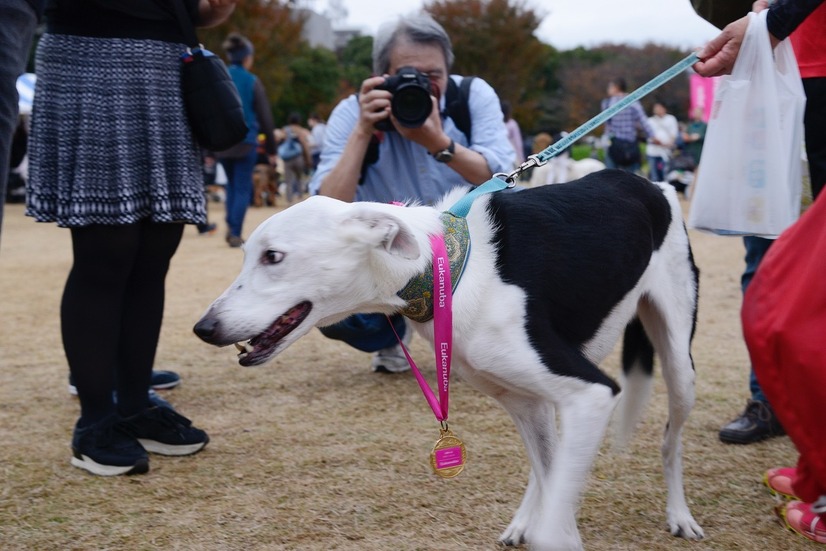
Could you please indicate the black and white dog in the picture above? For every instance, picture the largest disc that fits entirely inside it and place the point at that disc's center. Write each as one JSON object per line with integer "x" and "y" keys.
{"x": 555, "y": 276}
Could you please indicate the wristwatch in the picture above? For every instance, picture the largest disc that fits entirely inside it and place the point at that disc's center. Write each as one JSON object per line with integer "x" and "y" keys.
{"x": 445, "y": 155}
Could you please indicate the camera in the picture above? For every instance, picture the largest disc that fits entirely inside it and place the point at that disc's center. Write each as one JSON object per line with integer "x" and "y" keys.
{"x": 411, "y": 103}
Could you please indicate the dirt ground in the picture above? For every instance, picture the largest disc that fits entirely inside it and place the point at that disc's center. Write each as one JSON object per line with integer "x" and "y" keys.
{"x": 313, "y": 451}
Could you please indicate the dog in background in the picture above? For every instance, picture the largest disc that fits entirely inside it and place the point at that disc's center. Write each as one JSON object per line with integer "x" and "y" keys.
{"x": 556, "y": 276}
{"x": 264, "y": 185}
{"x": 561, "y": 168}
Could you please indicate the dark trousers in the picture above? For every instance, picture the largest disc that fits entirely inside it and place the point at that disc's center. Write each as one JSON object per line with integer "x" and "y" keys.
{"x": 238, "y": 190}
{"x": 814, "y": 121}
{"x": 115, "y": 292}
{"x": 367, "y": 332}
{"x": 16, "y": 32}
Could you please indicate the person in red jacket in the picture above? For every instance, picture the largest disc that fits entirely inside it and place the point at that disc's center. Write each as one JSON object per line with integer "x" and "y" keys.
{"x": 789, "y": 365}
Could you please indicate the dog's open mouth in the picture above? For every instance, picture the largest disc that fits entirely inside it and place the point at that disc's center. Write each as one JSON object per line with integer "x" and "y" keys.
{"x": 261, "y": 347}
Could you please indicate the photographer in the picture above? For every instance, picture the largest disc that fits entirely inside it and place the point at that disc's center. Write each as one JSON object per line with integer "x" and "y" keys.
{"x": 370, "y": 154}
{"x": 407, "y": 166}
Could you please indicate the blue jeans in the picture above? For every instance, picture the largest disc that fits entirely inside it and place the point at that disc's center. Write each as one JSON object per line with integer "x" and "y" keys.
{"x": 238, "y": 190}
{"x": 756, "y": 248}
{"x": 16, "y": 32}
{"x": 657, "y": 167}
{"x": 366, "y": 332}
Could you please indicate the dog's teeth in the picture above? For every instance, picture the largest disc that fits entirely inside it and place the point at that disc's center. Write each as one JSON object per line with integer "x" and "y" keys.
{"x": 239, "y": 347}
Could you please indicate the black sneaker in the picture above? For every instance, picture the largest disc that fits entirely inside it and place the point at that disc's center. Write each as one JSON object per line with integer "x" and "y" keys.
{"x": 163, "y": 430}
{"x": 161, "y": 380}
{"x": 207, "y": 229}
{"x": 164, "y": 380}
{"x": 103, "y": 449}
{"x": 756, "y": 423}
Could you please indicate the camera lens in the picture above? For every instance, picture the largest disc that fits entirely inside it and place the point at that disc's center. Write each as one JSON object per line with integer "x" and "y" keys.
{"x": 411, "y": 105}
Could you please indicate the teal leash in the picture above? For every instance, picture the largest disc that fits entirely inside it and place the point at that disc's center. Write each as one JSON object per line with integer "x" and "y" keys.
{"x": 462, "y": 206}
{"x": 502, "y": 181}
{"x": 557, "y": 147}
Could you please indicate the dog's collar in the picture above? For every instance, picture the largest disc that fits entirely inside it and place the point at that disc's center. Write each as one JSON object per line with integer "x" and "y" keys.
{"x": 418, "y": 293}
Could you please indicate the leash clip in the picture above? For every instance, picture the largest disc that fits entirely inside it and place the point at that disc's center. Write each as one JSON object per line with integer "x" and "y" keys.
{"x": 532, "y": 161}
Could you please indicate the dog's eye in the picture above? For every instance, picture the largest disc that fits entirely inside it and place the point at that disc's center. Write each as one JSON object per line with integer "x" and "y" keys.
{"x": 273, "y": 257}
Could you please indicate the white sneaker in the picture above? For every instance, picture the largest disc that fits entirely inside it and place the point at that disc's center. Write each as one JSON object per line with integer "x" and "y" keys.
{"x": 392, "y": 358}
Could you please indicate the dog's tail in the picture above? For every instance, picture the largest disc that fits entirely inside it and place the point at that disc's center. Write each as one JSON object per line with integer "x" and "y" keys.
{"x": 637, "y": 375}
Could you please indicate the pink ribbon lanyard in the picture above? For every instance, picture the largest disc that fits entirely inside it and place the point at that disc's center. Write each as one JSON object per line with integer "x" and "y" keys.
{"x": 442, "y": 331}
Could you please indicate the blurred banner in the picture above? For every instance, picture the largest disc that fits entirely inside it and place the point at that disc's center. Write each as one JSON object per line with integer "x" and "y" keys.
{"x": 702, "y": 93}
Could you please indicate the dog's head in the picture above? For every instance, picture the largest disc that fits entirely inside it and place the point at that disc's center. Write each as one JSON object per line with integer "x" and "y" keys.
{"x": 314, "y": 264}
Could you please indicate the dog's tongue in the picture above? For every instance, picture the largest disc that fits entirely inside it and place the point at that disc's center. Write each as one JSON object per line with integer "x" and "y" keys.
{"x": 259, "y": 348}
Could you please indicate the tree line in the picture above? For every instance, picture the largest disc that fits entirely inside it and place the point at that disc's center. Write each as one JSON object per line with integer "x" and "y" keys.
{"x": 550, "y": 90}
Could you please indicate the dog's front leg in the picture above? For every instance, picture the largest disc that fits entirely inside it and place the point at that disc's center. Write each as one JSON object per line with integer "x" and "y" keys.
{"x": 535, "y": 421}
{"x": 585, "y": 410}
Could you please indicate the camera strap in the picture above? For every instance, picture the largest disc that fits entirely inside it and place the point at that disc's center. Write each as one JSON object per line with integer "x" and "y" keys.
{"x": 456, "y": 104}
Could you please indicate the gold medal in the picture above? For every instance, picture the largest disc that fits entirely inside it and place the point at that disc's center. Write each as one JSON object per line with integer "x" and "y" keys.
{"x": 448, "y": 456}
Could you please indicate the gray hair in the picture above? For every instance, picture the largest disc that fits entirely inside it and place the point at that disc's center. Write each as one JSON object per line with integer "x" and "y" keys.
{"x": 419, "y": 29}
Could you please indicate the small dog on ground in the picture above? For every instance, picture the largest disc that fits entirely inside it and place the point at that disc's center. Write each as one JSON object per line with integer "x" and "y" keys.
{"x": 264, "y": 185}
{"x": 555, "y": 276}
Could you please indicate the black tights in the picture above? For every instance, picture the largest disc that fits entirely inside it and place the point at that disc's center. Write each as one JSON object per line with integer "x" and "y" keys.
{"x": 112, "y": 310}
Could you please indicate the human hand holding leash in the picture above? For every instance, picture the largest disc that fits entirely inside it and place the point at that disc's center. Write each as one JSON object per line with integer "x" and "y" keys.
{"x": 720, "y": 53}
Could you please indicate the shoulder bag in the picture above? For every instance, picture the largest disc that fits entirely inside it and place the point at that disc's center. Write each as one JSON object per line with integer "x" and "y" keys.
{"x": 212, "y": 104}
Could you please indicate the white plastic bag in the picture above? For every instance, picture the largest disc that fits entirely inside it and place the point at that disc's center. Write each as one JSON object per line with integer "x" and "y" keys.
{"x": 749, "y": 177}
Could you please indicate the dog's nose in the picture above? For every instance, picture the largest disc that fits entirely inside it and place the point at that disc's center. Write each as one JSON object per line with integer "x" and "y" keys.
{"x": 206, "y": 329}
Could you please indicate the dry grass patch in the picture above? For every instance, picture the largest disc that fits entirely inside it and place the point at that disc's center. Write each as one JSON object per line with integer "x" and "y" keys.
{"x": 315, "y": 452}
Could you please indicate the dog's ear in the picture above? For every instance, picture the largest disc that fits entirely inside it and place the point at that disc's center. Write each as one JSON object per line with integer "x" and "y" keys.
{"x": 380, "y": 229}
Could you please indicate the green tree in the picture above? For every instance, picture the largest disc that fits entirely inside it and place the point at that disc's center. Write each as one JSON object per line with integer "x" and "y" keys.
{"x": 584, "y": 75}
{"x": 495, "y": 40}
{"x": 314, "y": 84}
{"x": 275, "y": 31}
{"x": 356, "y": 59}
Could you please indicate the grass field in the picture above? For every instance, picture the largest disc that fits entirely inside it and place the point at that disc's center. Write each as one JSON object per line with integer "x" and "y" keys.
{"x": 315, "y": 452}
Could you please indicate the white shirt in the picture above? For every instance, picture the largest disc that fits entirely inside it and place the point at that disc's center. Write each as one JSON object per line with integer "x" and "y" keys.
{"x": 317, "y": 136}
{"x": 666, "y": 130}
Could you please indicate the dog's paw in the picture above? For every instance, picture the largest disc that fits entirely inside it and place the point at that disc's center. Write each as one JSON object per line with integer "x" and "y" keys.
{"x": 684, "y": 526}
{"x": 513, "y": 535}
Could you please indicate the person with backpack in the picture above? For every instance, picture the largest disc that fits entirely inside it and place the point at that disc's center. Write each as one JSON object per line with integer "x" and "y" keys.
{"x": 624, "y": 151}
{"x": 461, "y": 140}
{"x": 294, "y": 150}
{"x": 239, "y": 160}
